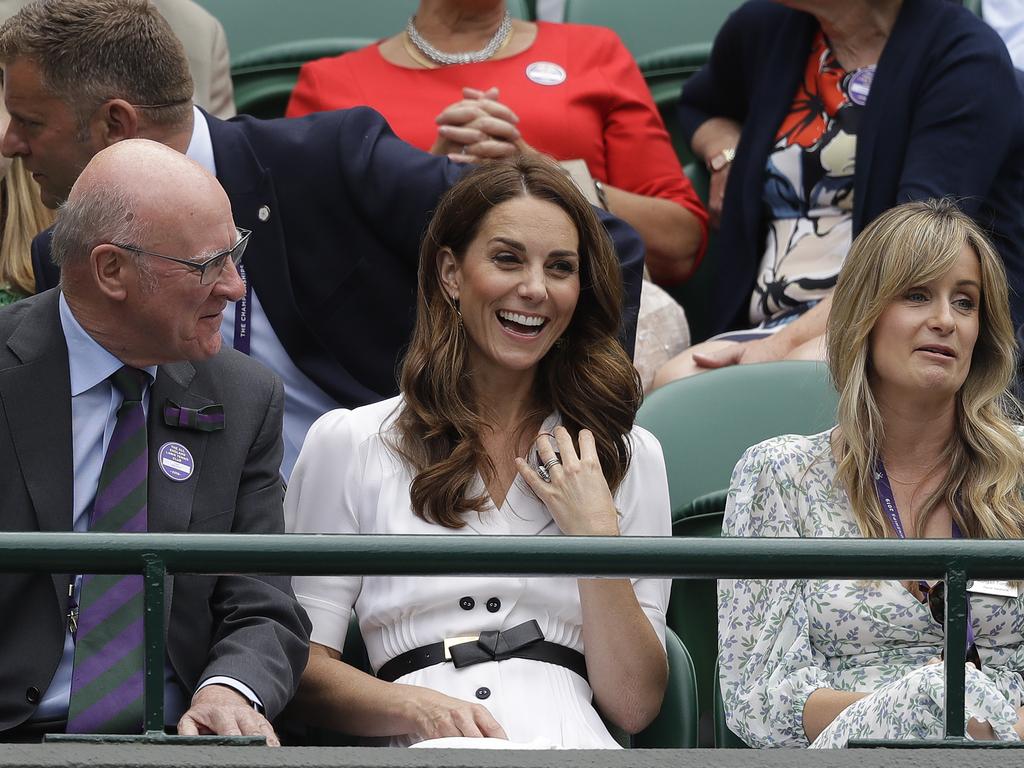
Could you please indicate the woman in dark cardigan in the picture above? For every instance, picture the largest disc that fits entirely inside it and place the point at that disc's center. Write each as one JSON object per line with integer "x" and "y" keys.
{"x": 917, "y": 98}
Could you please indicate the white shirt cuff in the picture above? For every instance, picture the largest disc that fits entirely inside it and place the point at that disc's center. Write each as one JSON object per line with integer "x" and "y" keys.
{"x": 230, "y": 682}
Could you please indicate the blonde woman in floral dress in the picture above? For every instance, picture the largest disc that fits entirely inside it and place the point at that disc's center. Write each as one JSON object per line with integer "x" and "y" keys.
{"x": 921, "y": 349}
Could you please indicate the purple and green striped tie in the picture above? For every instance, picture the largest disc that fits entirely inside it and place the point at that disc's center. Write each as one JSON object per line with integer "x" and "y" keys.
{"x": 106, "y": 685}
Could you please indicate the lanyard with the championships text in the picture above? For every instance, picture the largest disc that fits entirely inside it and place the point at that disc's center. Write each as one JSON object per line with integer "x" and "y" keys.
{"x": 888, "y": 501}
{"x": 241, "y": 342}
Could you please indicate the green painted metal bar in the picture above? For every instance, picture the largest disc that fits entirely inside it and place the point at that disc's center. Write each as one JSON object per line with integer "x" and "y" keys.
{"x": 955, "y": 645}
{"x": 154, "y": 574}
{"x": 157, "y": 554}
{"x": 512, "y": 555}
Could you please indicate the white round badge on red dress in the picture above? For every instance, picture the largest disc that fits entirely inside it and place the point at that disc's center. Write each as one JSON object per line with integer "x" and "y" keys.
{"x": 546, "y": 73}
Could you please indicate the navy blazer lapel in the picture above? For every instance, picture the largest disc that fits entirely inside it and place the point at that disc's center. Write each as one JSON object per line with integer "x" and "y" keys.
{"x": 250, "y": 187}
{"x": 170, "y": 501}
{"x": 254, "y": 205}
{"x": 36, "y": 397}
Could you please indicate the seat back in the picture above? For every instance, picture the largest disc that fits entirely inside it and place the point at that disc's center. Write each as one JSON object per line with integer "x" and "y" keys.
{"x": 254, "y": 24}
{"x": 263, "y": 79}
{"x": 705, "y": 422}
{"x": 665, "y": 71}
{"x": 675, "y": 727}
{"x": 650, "y": 25}
{"x": 693, "y": 607}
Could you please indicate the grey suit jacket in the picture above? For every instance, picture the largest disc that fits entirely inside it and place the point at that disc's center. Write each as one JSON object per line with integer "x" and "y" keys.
{"x": 247, "y": 627}
{"x": 205, "y": 44}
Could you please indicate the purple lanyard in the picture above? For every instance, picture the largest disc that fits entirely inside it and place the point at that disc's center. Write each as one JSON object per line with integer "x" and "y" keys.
{"x": 888, "y": 502}
{"x": 242, "y": 315}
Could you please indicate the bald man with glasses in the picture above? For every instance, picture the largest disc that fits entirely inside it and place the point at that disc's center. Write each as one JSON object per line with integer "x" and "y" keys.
{"x": 124, "y": 412}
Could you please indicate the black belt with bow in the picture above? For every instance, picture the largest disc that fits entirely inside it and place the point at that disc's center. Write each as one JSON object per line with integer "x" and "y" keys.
{"x": 524, "y": 641}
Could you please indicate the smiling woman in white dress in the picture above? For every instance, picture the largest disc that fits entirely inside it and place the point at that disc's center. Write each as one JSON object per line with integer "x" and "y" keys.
{"x": 514, "y": 357}
{"x": 922, "y": 350}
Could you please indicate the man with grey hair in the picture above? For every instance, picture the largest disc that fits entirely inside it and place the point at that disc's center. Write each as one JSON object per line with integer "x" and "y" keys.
{"x": 335, "y": 201}
{"x": 125, "y": 415}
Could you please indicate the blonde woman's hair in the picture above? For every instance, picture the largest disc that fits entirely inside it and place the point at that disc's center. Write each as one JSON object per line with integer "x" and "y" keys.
{"x": 24, "y": 216}
{"x": 907, "y": 246}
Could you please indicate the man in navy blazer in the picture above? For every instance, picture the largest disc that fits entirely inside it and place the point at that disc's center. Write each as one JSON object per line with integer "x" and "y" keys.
{"x": 336, "y": 202}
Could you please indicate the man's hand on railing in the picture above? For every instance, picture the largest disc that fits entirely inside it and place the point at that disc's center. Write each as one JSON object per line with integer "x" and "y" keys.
{"x": 217, "y": 709}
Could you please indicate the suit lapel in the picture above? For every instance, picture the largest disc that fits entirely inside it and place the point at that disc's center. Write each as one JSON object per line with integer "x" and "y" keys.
{"x": 37, "y": 400}
{"x": 36, "y": 397}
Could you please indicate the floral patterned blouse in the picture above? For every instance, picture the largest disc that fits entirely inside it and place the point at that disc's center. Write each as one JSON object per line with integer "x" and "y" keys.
{"x": 808, "y": 186}
{"x": 779, "y": 640}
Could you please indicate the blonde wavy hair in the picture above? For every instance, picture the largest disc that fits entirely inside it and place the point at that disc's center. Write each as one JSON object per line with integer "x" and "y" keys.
{"x": 906, "y": 246}
{"x": 24, "y": 216}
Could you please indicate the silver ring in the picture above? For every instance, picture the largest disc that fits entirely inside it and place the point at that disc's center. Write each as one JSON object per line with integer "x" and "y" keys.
{"x": 542, "y": 472}
{"x": 551, "y": 462}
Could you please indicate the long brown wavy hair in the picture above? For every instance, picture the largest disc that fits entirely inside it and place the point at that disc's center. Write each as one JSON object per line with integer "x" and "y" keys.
{"x": 587, "y": 377}
{"x": 909, "y": 245}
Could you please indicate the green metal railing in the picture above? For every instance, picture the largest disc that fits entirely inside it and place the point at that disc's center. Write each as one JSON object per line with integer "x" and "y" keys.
{"x": 155, "y": 555}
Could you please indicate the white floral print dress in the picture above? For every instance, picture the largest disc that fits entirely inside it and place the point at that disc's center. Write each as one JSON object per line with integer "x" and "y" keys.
{"x": 780, "y": 640}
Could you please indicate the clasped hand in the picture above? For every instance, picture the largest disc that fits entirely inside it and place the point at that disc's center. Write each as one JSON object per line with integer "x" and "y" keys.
{"x": 478, "y": 127}
{"x": 577, "y": 495}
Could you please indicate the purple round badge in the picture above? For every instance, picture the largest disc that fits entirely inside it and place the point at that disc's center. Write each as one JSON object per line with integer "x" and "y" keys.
{"x": 175, "y": 461}
{"x": 859, "y": 85}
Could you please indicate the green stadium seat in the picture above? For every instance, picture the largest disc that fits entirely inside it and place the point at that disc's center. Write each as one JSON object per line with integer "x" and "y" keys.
{"x": 675, "y": 727}
{"x": 693, "y": 607}
{"x": 646, "y": 26}
{"x": 665, "y": 71}
{"x": 264, "y": 79}
{"x": 705, "y": 422}
{"x": 974, "y": 6}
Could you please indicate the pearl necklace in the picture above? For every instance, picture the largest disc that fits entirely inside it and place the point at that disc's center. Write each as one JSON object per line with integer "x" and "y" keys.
{"x": 469, "y": 57}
